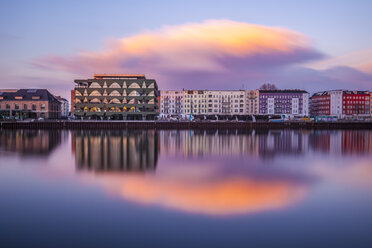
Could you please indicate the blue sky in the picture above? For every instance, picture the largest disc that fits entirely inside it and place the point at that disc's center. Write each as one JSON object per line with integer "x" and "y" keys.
{"x": 33, "y": 29}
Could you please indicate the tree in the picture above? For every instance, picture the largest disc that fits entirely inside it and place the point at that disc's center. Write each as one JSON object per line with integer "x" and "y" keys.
{"x": 268, "y": 86}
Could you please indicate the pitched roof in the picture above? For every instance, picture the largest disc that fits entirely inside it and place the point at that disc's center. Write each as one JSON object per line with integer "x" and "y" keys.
{"x": 28, "y": 95}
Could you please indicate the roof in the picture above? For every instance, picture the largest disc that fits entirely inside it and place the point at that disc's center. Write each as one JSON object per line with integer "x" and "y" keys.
{"x": 283, "y": 91}
{"x": 103, "y": 76}
{"x": 28, "y": 95}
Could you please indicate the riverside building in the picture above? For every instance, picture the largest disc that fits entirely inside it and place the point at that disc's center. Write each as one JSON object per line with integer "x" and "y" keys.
{"x": 28, "y": 103}
{"x": 116, "y": 97}
{"x": 284, "y": 102}
{"x": 171, "y": 103}
{"x": 252, "y": 102}
{"x": 342, "y": 104}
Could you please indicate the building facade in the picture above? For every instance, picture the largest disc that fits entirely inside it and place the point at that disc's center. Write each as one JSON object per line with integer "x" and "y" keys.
{"x": 327, "y": 103}
{"x": 226, "y": 102}
{"x": 195, "y": 102}
{"x": 65, "y": 108}
{"x": 284, "y": 102}
{"x": 28, "y": 103}
{"x": 116, "y": 96}
{"x": 171, "y": 103}
{"x": 356, "y": 104}
{"x": 252, "y": 102}
{"x": 370, "y": 103}
{"x": 342, "y": 104}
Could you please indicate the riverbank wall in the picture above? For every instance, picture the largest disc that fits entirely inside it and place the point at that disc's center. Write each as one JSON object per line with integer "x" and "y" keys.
{"x": 182, "y": 125}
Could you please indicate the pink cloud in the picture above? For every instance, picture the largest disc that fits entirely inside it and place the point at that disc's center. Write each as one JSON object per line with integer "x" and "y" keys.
{"x": 214, "y": 54}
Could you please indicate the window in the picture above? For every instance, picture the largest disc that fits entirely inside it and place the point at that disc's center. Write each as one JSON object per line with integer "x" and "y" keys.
{"x": 7, "y": 106}
{"x": 25, "y": 106}
{"x": 95, "y": 93}
{"x": 42, "y": 106}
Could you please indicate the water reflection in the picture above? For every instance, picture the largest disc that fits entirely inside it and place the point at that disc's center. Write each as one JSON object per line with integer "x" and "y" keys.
{"x": 264, "y": 143}
{"x": 115, "y": 150}
{"x": 206, "y": 172}
{"x": 37, "y": 143}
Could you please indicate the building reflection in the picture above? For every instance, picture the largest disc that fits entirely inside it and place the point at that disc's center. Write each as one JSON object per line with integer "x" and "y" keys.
{"x": 107, "y": 150}
{"x": 264, "y": 143}
{"x": 31, "y": 142}
{"x": 218, "y": 181}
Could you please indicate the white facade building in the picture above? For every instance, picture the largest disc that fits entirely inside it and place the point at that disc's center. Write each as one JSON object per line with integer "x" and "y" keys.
{"x": 171, "y": 103}
{"x": 336, "y": 103}
{"x": 65, "y": 107}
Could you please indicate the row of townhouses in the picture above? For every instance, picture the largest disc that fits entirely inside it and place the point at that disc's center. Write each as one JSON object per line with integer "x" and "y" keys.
{"x": 292, "y": 103}
{"x": 186, "y": 103}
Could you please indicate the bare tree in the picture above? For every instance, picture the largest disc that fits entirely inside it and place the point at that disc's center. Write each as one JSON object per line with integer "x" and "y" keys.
{"x": 268, "y": 86}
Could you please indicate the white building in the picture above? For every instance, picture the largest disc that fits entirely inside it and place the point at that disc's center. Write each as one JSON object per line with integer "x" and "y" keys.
{"x": 65, "y": 107}
{"x": 226, "y": 102}
{"x": 171, "y": 103}
{"x": 195, "y": 102}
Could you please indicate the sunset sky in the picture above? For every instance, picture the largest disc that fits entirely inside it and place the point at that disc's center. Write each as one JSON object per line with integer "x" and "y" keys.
{"x": 313, "y": 45}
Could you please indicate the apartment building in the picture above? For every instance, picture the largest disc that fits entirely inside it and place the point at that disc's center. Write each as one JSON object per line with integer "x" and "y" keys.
{"x": 284, "y": 102}
{"x": 171, "y": 103}
{"x": 252, "y": 102}
{"x": 341, "y": 103}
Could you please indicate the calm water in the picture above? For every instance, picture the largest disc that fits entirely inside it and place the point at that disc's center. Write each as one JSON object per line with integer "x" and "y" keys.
{"x": 185, "y": 188}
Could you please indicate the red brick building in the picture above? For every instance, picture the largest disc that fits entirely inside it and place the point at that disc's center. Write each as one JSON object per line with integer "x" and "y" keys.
{"x": 355, "y": 103}
{"x": 343, "y": 104}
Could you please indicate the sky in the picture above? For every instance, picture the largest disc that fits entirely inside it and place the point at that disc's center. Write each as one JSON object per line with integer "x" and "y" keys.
{"x": 312, "y": 45}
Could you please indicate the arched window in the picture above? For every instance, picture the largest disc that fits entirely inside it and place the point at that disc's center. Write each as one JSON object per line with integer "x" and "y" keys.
{"x": 115, "y": 85}
{"x": 115, "y": 93}
{"x": 134, "y": 93}
{"x": 151, "y": 93}
{"x": 77, "y": 93}
{"x": 95, "y": 85}
{"x": 151, "y": 86}
{"x": 151, "y": 101}
{"x": 134, "y": 85}
{"x": 77, "y": 100}
{"x": 95, "y": 100}
{"x": 131, "y": 101}
{"x": 115, "y": 100}
{"x": 95, "y": 93}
